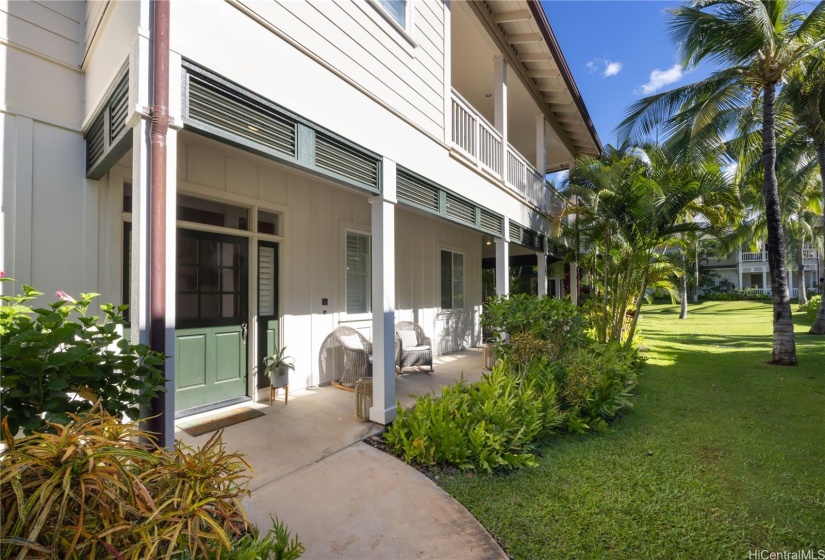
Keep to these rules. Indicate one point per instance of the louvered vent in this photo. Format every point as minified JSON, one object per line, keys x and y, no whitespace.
{"x":95,"y":143}
{"x":118,"y":107}
{"x":490,"y":222}
{"x":515,"y":233}
{"x":338,"y":158}
{"x":413,"y":190}
{"x":460,"y":210}
{"x":531,"y":239}
{"x":214,"y":104}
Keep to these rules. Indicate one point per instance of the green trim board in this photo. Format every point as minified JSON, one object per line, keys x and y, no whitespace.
{"x":107,"y":137}
{"x":420,"y":193}
{"x":218,"y":108}
{"x":526,"y":237}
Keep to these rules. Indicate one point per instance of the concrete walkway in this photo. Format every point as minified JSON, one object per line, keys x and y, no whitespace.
{"x":343,"y":498}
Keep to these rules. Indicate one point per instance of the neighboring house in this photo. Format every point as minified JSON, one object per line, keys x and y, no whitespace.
{"x":326,"y":160}
{"x":747,"y":268}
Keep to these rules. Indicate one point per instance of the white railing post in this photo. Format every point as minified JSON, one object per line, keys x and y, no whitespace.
{"x":500,"y":100}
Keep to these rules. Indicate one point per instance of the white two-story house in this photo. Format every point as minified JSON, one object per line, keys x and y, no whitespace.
{"x":748,"y":268}
{"x":331,"y":162}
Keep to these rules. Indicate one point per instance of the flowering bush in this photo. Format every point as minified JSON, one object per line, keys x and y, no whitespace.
{"x":56,"y":360}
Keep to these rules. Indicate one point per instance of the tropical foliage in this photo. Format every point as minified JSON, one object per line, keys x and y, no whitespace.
{"x":634,"y":210}
{"x":541,"y":385}
{"x":95,"y":487}
{"x":758,"y":45}
{"x":58,"y":360}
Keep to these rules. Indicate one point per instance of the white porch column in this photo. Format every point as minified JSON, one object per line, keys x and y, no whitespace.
{"x":541,"y":145}
{"x":503,"y":261}
{"x":790,"y":282}
{"x":500,"y":101}
{"x":541,"y":265}
{"x":764,"y":279}
{"x":383,"y":409}
{"x":740,"y":277}
{"x":139,"y":270}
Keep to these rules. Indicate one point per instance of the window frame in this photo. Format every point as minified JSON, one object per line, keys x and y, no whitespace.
{"x":368,"y":284}
{"x":453,"y":252}
{"x":401,"y":34}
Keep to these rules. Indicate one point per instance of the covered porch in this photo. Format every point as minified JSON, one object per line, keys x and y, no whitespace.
{"x":320,"y":421}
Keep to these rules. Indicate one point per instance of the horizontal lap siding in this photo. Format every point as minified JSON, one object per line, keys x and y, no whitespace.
{"x":54,"y":34}
{"x":344,"y":36}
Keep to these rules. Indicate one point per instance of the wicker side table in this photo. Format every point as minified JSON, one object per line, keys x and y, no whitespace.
{"x":488,"y":356}
{"x":363,"y":398}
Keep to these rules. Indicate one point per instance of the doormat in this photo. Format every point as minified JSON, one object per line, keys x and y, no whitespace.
{"x":206,"y":425}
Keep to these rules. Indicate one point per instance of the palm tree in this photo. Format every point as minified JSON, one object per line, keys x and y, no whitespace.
{"x":631,"y":205}
{"x":805,"y":95}
{"x":757,"y":43}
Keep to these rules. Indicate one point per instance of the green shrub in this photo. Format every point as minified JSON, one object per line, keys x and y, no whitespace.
{"x":595,"y":384}
{"x":744,"y":294}
{"x":812,"y":307}
{"x":536,"y":326}
{"x":57,"y":361}
{"x":487,"y":425}
{"x":90,"y":489}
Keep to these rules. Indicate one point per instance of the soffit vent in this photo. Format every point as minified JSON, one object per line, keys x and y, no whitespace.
{"x":417,"y":192}
{"x":211,"y":103}
{"x":460,"y":210}
{"x":118,"y":107}
{"x":95,"y":141}
{"x":491,"y":222}
{"x":336,"y":157}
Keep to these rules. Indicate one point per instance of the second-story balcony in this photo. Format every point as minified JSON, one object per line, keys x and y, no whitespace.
{"x":479,"y":141}
{"x":754,"y":256}
{"x":499,"y":116}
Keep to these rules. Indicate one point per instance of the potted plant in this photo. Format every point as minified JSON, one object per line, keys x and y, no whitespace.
{"x":276,"y":368}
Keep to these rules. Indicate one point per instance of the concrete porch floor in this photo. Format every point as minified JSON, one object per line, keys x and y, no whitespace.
{"x":342,"y":497}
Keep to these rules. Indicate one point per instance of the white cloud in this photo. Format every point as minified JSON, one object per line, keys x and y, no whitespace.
{"x":612,"y":69}
{"x":661,"y":78}
{"x":604,"y":67}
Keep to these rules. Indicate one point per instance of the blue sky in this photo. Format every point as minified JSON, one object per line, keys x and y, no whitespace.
{"x":618,"y":52}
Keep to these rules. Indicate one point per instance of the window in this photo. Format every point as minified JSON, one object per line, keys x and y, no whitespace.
{"x":358,"y":272}
{"x":452,"y":280}
{"x":396,"y":9}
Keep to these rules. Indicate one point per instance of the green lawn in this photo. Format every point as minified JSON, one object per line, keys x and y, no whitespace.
{"x":737,"y":463}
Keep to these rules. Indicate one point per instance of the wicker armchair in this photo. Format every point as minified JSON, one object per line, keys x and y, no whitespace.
{"x":415,"y":348}
{"x":357,"y":355}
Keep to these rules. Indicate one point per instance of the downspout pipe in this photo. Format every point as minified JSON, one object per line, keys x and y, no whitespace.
{"x":157,"y":242}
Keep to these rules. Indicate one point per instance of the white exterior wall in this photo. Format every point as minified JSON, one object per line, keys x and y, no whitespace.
{"x":315,"y":217}
{"x":49,"y":209}
{"x":357,"y":92}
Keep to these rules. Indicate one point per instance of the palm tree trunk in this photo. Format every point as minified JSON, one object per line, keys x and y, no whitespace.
{"x":819,"y":323}
{"x":803,"y":297}
{"x":684,"y":290}
{"x":629,"y":342}
{"x":696,"y":272}
{"x":784,"y":344}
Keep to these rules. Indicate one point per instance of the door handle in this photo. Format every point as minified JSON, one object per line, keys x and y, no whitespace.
{"x":244,"y":329}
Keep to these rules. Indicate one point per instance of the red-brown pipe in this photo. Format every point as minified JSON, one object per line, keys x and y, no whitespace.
{"x":157,"y":243}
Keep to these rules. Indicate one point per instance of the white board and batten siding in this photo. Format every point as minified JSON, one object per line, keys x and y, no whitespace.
{"x":49,"y":211}
{"x":315,"y":219}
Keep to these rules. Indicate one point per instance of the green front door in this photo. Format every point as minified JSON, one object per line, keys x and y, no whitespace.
{"x":211,"y":319}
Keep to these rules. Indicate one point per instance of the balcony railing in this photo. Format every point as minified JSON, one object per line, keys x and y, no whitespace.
{"x":554,"y":202}
{"x":808,"y":253}
{"x":475,"y":137}
{"x":750,"y":257}
{"x":524,"y":178}
{"x":481,"y":143}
